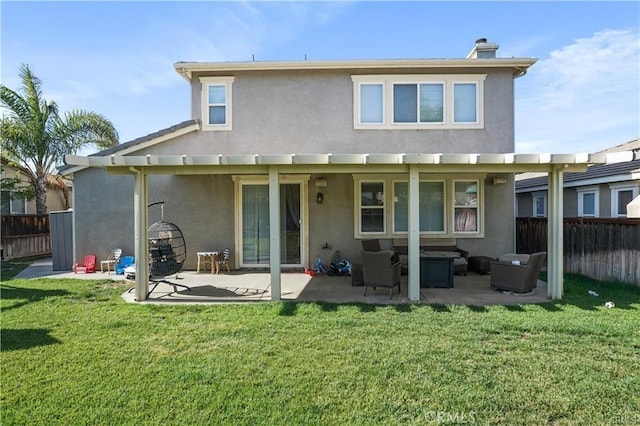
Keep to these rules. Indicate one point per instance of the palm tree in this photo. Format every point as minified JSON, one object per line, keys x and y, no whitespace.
{"x":36,"y":137}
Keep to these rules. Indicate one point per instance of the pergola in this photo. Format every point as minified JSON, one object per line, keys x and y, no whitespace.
{"x":141,"y":166}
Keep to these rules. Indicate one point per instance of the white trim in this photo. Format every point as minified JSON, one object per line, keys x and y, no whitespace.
{"x":448,"y":81}
{"x":479,"y":207}
{"x":544,"y":196}
{"x":303,"y":180}
{"x":595,"y":190}
{"x":628,"y":177}
{"x":615,"y":193}
{"x":519,"y":65}
{"x":227,"y":83}
{"x":388,"y":180}
{"x":504,"y":162}
{"x":13,"y":200}
{"x":445,"y":203}
{"x":359,"y":180}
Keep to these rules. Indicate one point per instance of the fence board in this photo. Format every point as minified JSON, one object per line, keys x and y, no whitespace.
{"x":602,"y":248}
{"x":24,"y":224}
{"x":15,"y":247}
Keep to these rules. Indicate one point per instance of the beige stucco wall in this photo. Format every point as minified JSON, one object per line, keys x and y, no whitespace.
{"x":301,"y":112}
{"x":55,"y":199}
{"x":202,"y":206}
{"x":307,"y":112}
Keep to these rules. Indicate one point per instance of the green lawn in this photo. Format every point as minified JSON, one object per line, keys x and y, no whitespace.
{"x":74,"y":353}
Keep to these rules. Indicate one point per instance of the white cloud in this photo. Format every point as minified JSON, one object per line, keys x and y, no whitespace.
{"x":583,"y":97}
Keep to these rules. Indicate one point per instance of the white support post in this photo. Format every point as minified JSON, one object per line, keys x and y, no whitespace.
{"x":413,"y":243}
{"x":141,"y":249}
{"x":274,"y":232}
{"x":555,"y":239}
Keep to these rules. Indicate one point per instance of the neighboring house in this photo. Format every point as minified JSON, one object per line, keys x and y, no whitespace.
{"x":604,"y":190}
{"x":282,"y":159}
{"x":12,"y":205}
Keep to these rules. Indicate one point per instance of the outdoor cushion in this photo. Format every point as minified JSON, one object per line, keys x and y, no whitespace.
{"x":441,"y":253}
{"x":509,"y":258}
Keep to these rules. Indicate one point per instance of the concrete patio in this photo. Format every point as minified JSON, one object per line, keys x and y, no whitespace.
{"x":249,"y":286}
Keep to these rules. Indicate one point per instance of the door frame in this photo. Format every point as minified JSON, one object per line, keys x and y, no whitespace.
{"x":239,"y":181}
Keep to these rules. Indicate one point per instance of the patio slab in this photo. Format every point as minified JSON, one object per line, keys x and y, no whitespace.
{"x":248,"y":286}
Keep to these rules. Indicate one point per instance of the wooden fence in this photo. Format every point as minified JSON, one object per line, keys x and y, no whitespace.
{"x":603,"y":248}
{"x":25,"y":235}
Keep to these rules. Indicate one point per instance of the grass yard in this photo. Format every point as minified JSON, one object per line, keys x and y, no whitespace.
{"x":74,"y":353}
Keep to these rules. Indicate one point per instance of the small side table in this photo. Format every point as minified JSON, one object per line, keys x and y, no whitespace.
{"x":481,"y":264}
{"x":207,"y":257}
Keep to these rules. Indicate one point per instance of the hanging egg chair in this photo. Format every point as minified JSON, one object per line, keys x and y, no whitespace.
{"x":167,"y":250}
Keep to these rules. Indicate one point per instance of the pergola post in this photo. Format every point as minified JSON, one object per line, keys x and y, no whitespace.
{"x":555,"y":240}
{"x":413,"y":243}
{"x":141,"y":250}
{"x":274,"y":232}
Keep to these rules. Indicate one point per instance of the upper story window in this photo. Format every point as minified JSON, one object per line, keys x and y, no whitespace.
{"x":216,"y":103}
{"x":621,"y":195}
{"x":418,"y":101}
{"x":588,"y":202}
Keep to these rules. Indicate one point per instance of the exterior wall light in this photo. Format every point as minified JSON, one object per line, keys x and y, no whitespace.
{"x":319,"y":198}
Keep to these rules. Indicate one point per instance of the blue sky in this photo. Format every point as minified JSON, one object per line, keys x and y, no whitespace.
{"x":116,"y":58}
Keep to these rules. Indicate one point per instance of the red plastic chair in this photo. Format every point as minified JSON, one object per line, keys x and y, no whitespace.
{"x":88,"y":265}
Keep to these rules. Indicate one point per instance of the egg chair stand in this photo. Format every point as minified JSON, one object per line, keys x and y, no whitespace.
{"x":167,"y":251}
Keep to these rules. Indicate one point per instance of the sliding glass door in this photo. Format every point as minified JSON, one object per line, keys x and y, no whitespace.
{"x":255,"y":227}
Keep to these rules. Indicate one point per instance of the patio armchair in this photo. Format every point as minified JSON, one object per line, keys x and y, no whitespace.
{"x":111,"y":261}
{"x":518,"y":277}
{"x":223,"y":260}
{"x":380,"y":269}
{"x":87,"y":265}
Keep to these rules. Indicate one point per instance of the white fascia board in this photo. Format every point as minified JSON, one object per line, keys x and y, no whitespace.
{"x":186,"y":69}
{"x":523,"y":161}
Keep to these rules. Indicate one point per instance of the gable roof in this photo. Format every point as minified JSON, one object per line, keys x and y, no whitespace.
{"x":597,"y":173}
{"x":139,"y":143}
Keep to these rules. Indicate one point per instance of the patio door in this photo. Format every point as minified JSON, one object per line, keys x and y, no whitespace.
{"x":253,"y":230}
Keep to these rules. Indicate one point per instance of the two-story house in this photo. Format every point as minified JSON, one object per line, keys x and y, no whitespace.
{"x":283,"y":158}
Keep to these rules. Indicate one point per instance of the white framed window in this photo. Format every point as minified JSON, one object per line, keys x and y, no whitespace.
{"x":539,"y":204}
{"x":465,"y":103}
{"x":621,"y":195}
{"x":371,"y":207}
{"x":216,"y":103}
{"x":448,"y":206}
{"x":372,"y":103}
{"x":427,"y":101}
{"x":13,"y":205}
{"x":432,"y":202}
{"x":418,"y":103}
{"x":466,"y":206}
{"x":588,"y":202}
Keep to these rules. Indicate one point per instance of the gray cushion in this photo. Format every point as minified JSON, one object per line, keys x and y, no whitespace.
{"x":509,"y":258}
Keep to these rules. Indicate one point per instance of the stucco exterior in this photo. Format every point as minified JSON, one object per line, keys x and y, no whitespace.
{"x":304,"y":109}
{"x":55,"y":198}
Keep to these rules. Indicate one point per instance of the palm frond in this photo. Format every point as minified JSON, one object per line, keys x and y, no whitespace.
{"x":78,"y":128}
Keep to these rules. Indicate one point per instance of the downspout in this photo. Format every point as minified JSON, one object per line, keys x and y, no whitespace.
{"x":183,"y":72}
